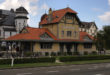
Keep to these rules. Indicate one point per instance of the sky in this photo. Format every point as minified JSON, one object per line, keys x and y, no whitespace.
{"x":97,"y":11}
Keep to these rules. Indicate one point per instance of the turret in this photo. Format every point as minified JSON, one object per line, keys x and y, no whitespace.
{"x":21,"y":18}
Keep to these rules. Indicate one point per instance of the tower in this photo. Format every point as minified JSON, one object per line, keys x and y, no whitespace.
{"x":21,"y":18}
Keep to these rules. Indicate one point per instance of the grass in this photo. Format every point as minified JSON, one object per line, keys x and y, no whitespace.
{"x":53,"y":64}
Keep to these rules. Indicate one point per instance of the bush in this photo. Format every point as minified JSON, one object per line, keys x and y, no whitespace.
{"x":76,"y":53}
{"x":28,"y":54}
{"x":53,"y":53}
{"x":29,"y":60}
{"x":1,"y":54}
{"x":83,"y":58}
{"x":5,"y":61}
{"x":93,"y":53}
{"x":58,"y":53}
{"x":69,"y":53}
{"x":65,"y":53}
{"x":86,"y":53}
{"x":46,"y":53}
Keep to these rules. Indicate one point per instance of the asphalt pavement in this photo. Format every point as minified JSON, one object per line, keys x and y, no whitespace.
{"x":87,"y":69}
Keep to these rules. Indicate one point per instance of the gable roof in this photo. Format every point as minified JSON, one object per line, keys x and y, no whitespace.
{"x":87,"y":25}
{"x":21,"y":10}
{"x":56,"y":16}
{"x":35,"y":33}
{"x":83,"y":34}
{"x":32,"y":34}
{"x":8,"y":19}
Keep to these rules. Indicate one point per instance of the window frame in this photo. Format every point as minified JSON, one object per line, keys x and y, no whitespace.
{"x":69,"y":33}
{"x":88,"y":45}
{"x":46,"y":45}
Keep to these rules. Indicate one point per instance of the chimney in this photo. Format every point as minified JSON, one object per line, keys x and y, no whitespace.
{"x":50,"y":11}
{"x":50,"y":15}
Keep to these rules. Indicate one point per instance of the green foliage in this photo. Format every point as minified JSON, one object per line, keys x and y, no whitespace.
{"x":83,"y":58}
{"x":5,"y":61}
{"x":103,"y":38}
{"x":76,"y":53}
{"x":86,"y":53}
{"x":46,"y":53}
{"x":53,"y":54}
{"x":29,"y":60}
{"x":93,"y":53}
{"x":28,"y":54}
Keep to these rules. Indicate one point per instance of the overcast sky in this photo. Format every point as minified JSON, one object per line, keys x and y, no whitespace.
{"x":88,"y":10}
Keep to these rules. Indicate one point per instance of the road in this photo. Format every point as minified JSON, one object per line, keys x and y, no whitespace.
{"x":88,"y":69}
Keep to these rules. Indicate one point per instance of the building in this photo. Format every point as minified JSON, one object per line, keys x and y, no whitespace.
{"x":12,"y":22}
{"x":59,"y":31}
{"x":89,"y":27}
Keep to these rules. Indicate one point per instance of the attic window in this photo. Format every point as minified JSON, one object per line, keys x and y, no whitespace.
{"x":56,"y":16}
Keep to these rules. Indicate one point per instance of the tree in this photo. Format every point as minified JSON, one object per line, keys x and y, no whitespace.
{"x":103,"y":38}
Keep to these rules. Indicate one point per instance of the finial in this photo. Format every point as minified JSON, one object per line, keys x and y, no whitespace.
{"x":67,"y":5}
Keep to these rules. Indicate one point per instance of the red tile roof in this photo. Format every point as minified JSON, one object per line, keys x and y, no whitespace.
{"x":35,"y":33}
{"x":83,"y":34}
{"x":56,"y":15}
{"x":32,"y":34}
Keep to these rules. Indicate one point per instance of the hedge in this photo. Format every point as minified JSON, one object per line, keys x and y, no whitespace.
{"x":28,"y":60}
{"x":83,"y":58}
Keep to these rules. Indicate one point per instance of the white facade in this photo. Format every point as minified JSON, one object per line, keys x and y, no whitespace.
{"x":92,"y":30}
{"x":20,"y":24}
{"x":14,"y":22}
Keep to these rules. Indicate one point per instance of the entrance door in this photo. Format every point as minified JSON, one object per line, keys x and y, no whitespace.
{"x":27,"y":46}
{"x":61,"y":48}
{"x":75,"y":47}
{"x":68,"y":47}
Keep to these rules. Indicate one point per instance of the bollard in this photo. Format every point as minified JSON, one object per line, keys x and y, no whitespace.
{"x":12,"y":61}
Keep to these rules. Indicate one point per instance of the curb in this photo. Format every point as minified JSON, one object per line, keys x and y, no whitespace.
{"x":50,"y":66}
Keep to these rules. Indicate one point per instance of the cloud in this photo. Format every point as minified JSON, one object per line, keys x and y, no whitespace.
{"x":109,"y":2}
{"x":8,"y":4}
{"x":44,"y":7}
{"x":96,"y":9}
{"x":106,"y":16}
{"x":32,"y":7}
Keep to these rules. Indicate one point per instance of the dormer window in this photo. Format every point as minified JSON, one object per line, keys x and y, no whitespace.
{"x":69,"y":33}
{"x":69,"y":17}
{"x":62,"y":33}
{"x":56,"y":16}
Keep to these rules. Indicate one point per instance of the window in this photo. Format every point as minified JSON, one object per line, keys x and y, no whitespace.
{"x":87,"y":45}
{"x":69,"y":33}
{"x":69,"y":17}
{"x":62,"y":33}
{"x":75,"y":33}
{"x":46,"y":45}
{"x":24,"y":22}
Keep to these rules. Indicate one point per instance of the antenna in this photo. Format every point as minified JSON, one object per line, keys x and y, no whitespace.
{"x":21,"y":2}
{"x":45,"y":11}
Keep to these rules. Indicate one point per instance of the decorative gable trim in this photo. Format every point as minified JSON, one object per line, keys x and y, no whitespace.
{"x":87,"y":38}
{"x":24,"y":31}
{"x":45,"y":36}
